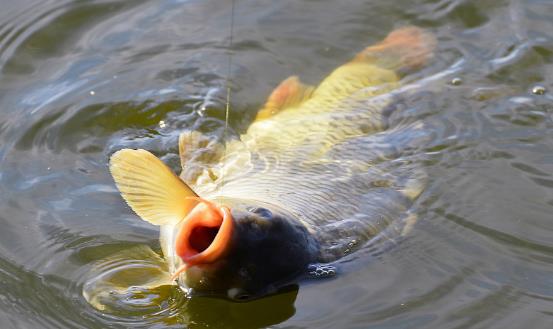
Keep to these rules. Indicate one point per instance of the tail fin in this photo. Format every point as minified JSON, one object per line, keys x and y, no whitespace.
{"x":404,"y":49}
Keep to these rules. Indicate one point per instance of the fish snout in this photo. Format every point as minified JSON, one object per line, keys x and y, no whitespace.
{"x":204,"y":236}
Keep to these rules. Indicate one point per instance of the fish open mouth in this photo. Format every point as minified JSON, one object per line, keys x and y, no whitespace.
{"x":201,"y":237}
{"x":204,"y":236}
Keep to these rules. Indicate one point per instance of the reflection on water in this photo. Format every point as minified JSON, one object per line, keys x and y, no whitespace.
{"x":213,"y":313}
{"x":79,"y":80}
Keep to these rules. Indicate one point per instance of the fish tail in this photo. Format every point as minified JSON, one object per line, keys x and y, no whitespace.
{"x":404,"y":49}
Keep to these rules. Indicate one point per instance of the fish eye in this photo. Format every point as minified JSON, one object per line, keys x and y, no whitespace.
{"x":262,"y":212}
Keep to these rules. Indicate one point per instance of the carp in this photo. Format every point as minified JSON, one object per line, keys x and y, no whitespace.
{"x":310,"y":181}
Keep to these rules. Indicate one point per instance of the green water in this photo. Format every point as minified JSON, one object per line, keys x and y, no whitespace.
{"x":82,"y":79}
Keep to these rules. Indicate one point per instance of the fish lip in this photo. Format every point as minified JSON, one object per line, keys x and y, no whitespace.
{"x":217,"y":216}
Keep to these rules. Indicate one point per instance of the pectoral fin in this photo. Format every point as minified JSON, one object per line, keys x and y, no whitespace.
{"x":150,"y":188}
{"x":290,"y":93}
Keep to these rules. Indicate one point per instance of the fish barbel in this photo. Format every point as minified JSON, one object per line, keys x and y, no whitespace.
{"x":310,"y":180}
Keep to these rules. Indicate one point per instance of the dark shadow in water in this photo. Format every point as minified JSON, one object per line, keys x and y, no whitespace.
{"x":206,"y":312}
{"x":131,"y":286}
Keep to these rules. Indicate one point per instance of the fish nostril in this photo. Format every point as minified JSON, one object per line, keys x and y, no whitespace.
{"x":263,"y":212}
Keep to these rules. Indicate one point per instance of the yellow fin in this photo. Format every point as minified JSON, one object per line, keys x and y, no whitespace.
{"x":289,"y":93}
{"x":149,"y":187}
{"x":406,"y":48}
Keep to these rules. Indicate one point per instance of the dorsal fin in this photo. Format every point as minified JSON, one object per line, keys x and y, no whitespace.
{"x":150,"y":188}
{"x":289,"y":93}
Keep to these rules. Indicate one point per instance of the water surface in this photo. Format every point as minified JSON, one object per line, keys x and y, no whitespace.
{"x":81,"y":79}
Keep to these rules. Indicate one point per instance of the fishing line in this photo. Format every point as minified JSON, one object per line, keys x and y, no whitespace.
{"x":228,"y":87}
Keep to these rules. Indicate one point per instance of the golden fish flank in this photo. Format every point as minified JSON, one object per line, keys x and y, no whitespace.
{"x":307,"y":183}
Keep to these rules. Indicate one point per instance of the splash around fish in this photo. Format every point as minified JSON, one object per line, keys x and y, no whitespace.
{"x":300,"y":185}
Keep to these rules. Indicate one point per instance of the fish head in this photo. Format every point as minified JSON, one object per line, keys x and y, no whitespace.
{"x":243,"y":250}
{"x":239,"y":248}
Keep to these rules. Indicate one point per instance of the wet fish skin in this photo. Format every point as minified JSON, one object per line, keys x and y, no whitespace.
{"x":322,"y":161}
{"x":269,"y":249}
{"x":325,"y":158}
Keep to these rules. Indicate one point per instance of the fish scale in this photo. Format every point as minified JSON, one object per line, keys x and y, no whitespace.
{"x":332,"y":160}
{"x":319,"y":173}
{"x":333,"y":188}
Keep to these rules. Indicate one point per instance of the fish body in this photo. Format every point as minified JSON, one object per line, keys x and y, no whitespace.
{"x":309,"y":181}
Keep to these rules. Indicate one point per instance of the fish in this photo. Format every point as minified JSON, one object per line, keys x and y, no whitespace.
{"x":315,"y":177}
